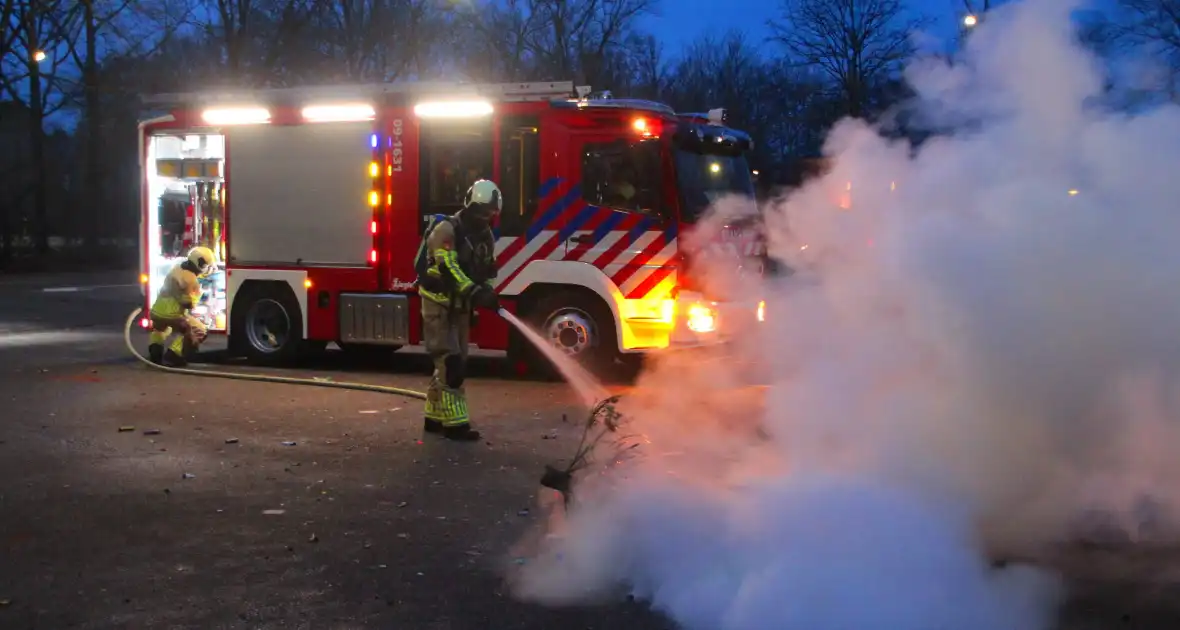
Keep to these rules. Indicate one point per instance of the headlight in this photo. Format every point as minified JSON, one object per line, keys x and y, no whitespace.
{"x":701,"y":318}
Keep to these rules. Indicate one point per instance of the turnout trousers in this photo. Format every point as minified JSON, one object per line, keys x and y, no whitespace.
{"x":167,"y":318}
{"x":446,"y":334}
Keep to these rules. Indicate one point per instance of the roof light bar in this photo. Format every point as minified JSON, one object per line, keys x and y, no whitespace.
{"x":236,"y":116}
{"x":339,"y":113}
{"x":453,"y":109}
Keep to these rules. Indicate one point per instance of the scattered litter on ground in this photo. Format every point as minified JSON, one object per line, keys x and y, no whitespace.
{"x":523,"y":513}
{"x":231,"y":440}
{"x":5,"y":602}
{"x":289,"y":443}
{"x":367,"y":411}
{"x":313,"y":539}
{"x":126,"y":429}
{"x":151,"y":431}
{"x":188,"y":476}
{"x":402,"y":504}
{"x":274,"y":512}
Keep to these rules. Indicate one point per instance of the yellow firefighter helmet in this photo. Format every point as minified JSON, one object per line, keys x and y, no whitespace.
{"x":202,"y":258}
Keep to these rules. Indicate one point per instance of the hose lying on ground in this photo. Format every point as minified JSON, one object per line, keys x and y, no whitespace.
{"x":381,"y":389}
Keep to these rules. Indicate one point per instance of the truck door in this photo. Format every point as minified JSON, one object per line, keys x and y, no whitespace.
{"x":626,"y":177}
{"x":520,"y":173}
{"x":453,"y":153}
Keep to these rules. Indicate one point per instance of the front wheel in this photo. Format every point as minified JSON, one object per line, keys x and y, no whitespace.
{"x":579,"y":327}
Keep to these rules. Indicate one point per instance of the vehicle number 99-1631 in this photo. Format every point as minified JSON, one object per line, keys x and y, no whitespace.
{"x":396,"y":144}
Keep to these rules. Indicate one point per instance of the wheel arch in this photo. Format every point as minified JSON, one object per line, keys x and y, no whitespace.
{"x":541,"y":278}
{"x":245,"y":281}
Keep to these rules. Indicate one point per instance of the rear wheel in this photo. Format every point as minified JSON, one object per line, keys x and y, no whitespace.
{"x":268,"y":326}
{"x":578,"y":326}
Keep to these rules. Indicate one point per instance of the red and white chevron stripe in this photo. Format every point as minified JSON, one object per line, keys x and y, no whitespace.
{"x":640,"y":269}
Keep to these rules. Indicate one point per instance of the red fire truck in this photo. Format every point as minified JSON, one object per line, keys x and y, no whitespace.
{"x":315,"y":200}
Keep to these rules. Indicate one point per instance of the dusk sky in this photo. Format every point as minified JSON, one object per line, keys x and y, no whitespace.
{"x":692,"y":18}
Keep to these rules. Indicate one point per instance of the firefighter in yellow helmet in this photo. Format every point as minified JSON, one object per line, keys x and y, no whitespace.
{"x":456,"y":267}
{"x":171,"y":312}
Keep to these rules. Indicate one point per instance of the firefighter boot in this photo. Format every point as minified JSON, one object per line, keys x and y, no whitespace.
{"x":461,"y":433}
{"x":432,"y":426}
{"x":173,"y":359}
{"x":156,"y":353}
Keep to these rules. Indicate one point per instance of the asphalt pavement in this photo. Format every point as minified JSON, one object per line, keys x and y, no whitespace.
{"x":131,"y":498}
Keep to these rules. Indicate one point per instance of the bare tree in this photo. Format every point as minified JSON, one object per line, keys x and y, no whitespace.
{"x":1152,"y":26}
{"x":501,"y":40}
{"x":775,"y":105}
{"x":373,"y":40}
{"x":254,"y":34}
{"x":125,"y":28}
{"x":855,"y":43}
{"x":583,"y":40}
{"x":30,"y":56}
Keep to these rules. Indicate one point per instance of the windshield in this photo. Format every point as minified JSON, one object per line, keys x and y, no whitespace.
{"x":705,"y":178}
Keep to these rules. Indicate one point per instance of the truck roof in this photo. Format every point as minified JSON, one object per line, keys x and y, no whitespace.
{"x":559,"y":94}
{"x":375,"y":92}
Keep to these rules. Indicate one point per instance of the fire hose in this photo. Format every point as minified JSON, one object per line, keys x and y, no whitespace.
{"x":263,"y":378}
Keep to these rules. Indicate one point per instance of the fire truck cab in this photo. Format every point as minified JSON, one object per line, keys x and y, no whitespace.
{"x":316,"y":199}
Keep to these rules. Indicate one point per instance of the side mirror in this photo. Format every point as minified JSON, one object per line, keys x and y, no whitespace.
{"x":686,"y":138}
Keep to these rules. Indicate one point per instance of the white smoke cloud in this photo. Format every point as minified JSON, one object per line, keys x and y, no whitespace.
{"x":969,"y":360}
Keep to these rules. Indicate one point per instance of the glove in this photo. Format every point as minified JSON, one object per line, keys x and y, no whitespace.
{"x":485,"y":297}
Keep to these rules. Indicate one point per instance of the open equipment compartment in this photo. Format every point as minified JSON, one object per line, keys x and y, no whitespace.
{"x":186,"y":196}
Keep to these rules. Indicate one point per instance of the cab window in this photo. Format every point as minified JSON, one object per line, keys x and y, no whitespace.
{"x":623,"y":175}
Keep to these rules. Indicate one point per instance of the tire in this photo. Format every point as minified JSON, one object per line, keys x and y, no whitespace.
{"x":579,"y":325}
{"x":268,"y":326}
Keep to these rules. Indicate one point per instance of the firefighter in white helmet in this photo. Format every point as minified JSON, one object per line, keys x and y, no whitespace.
{"x":456,"y":266}
{"x":172,"y":310}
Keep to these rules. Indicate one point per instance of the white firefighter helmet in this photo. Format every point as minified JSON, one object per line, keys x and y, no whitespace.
{"x":484,"y":199}
{"x":202,"y":258}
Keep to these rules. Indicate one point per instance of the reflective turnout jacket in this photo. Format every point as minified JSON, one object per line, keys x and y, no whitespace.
{"x":456,"y":262}
{"x":181,"y":291}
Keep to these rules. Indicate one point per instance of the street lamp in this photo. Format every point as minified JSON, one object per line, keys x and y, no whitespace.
{"x":39,"y":56}
{"x":970,"y":20}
